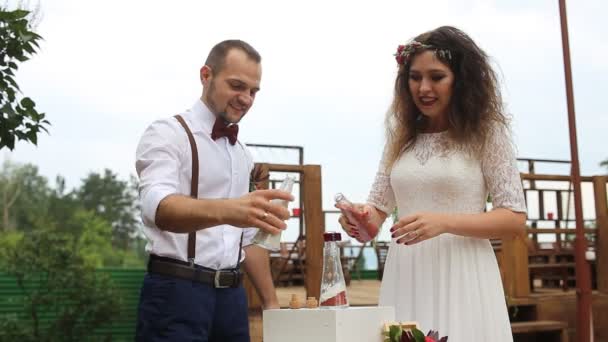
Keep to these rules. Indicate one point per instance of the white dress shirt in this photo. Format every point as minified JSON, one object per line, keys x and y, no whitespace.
{"x":164,"y":166}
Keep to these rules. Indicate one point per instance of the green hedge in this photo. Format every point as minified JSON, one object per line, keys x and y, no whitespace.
{"x":128,"y":281}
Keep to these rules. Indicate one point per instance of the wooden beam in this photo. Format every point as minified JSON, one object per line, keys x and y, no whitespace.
{"x":601,"y":244}
{"x":532,"y":177}
{"x":286,"y":168}
{"x":315,"y":227}
{"x":515,"y":266}
{"x":559,"y":230}
{"x":541,"y":205}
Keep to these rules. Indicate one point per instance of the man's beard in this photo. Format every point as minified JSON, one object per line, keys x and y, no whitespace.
{"x":214,"y":107}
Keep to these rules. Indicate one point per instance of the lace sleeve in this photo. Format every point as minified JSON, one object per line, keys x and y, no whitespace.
{"x":500,"y":171}
{"x":381,"y":194}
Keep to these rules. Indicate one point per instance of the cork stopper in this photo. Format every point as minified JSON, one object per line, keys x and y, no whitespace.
{"x":311,"y":303}
{"x":295,"y":302}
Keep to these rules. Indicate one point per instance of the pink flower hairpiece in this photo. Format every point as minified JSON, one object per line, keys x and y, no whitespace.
{"x":405,"y":52}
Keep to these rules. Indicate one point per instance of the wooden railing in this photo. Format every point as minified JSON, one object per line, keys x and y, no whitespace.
{"x":524,"y":256}
{"x":514,"y":255}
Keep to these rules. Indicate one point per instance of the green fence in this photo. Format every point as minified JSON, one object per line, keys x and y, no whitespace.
{"x":128,"y":281}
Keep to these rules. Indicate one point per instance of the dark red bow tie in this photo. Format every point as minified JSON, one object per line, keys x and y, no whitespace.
{"x":222,"y":129}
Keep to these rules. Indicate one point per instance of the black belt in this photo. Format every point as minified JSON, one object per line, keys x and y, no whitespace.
{"x":183,"y":270}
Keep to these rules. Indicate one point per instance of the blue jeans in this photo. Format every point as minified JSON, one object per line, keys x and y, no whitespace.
{"x":173,"y":309}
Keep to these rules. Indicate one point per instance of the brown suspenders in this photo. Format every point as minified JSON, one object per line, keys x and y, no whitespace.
{"x":193,"y":184}
{"x":194,"y":192}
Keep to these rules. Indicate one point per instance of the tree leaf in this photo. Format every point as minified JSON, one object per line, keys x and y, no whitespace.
{"x":9,"y":141}
{"x":26,"y":36}
{"x":21,"y":135}
{"x":8,"y":109}
{"x":12,"y":82}
{"x":418,"y":335}
{"x":22,"y":58}
{"x":19,"y":14}
{"x":33,"y":138}
{"x":27,"y":103}
{"x":11,"y":94}
{"x":395,"y":332}
{"x":28,"y":47}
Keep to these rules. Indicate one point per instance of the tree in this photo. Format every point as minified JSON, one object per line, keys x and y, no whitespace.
{"x":24,"y":195}
{"x":10,"y":186}
{"x":604,"y":163}
{"x":115,"y":200}
{"x":102,"y":212}
{"x":56,"y":279}
{"x":19,"y":119}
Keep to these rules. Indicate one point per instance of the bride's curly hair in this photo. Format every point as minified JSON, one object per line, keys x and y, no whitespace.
{"x":476,"y":107}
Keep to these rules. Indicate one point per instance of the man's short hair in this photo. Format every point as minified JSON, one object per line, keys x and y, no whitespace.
{"x":217,"y":55}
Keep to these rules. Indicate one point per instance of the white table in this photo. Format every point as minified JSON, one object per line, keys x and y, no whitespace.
{"x":327,"y":325}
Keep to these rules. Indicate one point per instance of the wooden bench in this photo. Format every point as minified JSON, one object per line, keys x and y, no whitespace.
{"x":545,"y":331}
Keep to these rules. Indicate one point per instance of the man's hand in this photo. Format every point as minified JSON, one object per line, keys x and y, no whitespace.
{"x":256,"y":210}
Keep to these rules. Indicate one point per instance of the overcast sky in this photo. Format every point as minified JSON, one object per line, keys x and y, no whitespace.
{"x":106,"y":69}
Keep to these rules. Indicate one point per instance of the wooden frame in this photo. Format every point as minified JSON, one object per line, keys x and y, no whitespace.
{"x":314,"y":221}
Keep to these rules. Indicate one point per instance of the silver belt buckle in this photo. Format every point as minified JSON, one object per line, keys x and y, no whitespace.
{"x":216,"y":281}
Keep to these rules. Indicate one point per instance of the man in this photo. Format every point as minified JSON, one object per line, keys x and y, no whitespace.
{"x":193,"y":291}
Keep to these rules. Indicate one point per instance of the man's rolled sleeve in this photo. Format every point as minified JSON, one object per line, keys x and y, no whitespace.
{"x":157,"y":164}
{"x":248,"y":234}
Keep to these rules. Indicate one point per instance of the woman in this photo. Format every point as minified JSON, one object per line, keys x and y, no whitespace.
{"x":447,"y":148}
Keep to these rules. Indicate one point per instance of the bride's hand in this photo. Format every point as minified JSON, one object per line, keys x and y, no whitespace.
{"x":418,"y":227}
{"x":359,"y":211}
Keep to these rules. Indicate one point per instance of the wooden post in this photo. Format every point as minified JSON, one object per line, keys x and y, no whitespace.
{"x":601,"y":221}
{"x":515,"y":266}
{"x":531,"y":171}
{"x":584,"y":322}
{"x":315,"y":227}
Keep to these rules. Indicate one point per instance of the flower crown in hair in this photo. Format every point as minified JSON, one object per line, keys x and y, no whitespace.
{"x":405,"y":52}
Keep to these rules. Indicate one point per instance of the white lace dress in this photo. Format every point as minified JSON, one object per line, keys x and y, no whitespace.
{"x":449,"y":283}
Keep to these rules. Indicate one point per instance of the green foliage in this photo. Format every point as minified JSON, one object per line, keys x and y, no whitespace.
{"x":8,"y":242}
{"x":418,"y":335}
{"x":13,"y":329}
{"x":396,"y":333}
{"x":101,"y":214}
{"x":52,"y":273}
{"x":115,"y":201}
{"x":604,"y":164}
{"x":395,"y":215}
{"x":24,"y":196}
{"x":19,"y":119}
{"x":94,"y":235}
{"x":52,"y":241}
